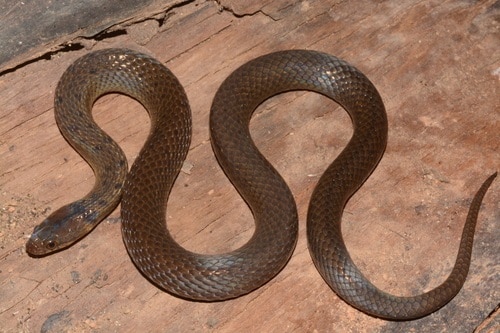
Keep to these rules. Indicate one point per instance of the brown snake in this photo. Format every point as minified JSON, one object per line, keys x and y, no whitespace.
{"x":147,"y":186}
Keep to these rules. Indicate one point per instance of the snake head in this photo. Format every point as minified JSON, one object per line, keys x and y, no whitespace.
{"x":60,"y":230}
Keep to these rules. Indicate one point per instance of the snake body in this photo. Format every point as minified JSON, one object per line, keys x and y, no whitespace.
{"x":145,"y":189}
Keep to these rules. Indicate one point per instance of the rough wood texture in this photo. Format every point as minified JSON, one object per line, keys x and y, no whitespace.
{"x":437,"y":66}
{"x":37,"y":28}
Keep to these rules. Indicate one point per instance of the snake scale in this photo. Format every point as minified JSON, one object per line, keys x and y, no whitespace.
{"x":144,"y":190}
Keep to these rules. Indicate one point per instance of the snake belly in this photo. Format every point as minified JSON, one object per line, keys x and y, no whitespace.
{"x":144,"y":190}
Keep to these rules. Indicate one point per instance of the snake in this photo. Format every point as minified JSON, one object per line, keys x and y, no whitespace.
{"x":144,"y":190}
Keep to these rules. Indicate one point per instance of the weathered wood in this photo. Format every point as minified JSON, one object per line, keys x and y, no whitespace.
{"x":436,"y":66}
{"x":39,"y":28}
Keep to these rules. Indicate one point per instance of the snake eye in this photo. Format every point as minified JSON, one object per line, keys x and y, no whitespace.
{"x":51,"y":245}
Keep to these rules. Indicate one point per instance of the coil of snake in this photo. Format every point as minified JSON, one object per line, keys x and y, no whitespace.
{"x":144,"y":190}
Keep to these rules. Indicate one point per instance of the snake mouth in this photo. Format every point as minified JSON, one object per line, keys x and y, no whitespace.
{"x":43,"y":241}
{"x":38,"y":247}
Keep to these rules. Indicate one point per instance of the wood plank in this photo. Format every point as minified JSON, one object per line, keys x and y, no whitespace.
{"x":34,"y":30}
{"x":435,"y":64}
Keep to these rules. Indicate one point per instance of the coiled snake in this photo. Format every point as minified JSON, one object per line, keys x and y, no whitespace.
{"x":144,"y":190}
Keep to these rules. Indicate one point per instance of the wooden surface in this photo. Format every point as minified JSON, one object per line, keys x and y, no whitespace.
{"x":35,"y":30}
{"x":437,"y":67}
